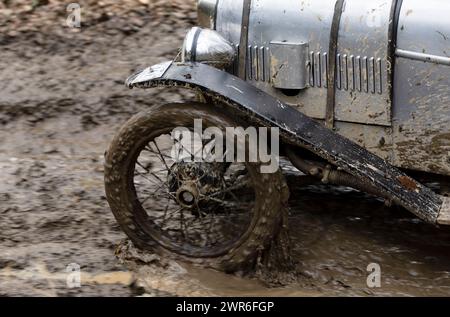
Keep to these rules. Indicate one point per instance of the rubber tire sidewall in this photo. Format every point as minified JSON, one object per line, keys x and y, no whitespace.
{"x":122,"y":151}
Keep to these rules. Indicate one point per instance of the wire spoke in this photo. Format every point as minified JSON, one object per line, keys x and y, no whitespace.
{"x":158,"y":178}
{"x":148,"y":149}
{"x":161,"y":156}
{"x":220,"y":201}
{"x":230,"y":222}
{"x":223,"y":204}
{"x":145,"y":168}
{"x":151,"y":195}
{"x":146,"y":178}
{"x":229,"y":189}
{"x":165,"y":163}
{"x":184,"y":232}
{"x":162,"y":217}
{"x":171,"y":214}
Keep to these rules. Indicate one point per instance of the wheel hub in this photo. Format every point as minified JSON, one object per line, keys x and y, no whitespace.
{"x":187,"y":195}
{"x":191,"y":182}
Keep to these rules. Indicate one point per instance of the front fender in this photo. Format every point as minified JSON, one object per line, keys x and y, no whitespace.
{"x":296,"y":128}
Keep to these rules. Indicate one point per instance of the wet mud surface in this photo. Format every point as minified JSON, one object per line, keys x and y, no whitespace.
{"x":61,"y":101}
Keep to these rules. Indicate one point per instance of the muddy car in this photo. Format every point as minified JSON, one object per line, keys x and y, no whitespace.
{"x":357,"y":91}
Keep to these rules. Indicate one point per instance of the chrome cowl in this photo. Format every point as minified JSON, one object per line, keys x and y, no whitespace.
{"x":208,"y":47}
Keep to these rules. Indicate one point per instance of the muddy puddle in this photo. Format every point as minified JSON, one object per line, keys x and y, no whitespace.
{"x":54,"y":213}
{"x":337,"y":236}
{"x":61,"y":100}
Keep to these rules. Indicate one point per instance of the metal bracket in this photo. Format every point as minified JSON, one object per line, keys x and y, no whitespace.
{"x":244,"y":39}
{"x":332,"y":53}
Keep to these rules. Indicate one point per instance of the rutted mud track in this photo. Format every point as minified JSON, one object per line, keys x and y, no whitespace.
{"x":61,"y":100}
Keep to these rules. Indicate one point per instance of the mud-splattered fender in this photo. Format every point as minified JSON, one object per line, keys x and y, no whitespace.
{"x":295,"y":128}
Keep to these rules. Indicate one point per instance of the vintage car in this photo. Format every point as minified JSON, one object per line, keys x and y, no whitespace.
{"x":359,"y":92}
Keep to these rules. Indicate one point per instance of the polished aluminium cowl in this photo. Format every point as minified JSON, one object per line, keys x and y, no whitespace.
{"x":208,"y":47}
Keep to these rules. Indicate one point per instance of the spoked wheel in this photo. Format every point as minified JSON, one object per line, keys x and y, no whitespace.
{"x":220,"y":214}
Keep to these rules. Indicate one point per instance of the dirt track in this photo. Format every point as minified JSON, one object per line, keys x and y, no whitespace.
{"x":61,"y":100}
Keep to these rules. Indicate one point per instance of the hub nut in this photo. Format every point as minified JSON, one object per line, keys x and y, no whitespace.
{"x":188,"y":194}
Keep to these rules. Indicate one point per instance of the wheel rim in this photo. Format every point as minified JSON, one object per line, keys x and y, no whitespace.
{"x":193,"y":209}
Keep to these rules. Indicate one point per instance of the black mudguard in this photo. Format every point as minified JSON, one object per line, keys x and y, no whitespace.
{"x":298,"y":129}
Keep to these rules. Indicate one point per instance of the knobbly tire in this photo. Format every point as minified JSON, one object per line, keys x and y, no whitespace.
{"x":247,"y":219}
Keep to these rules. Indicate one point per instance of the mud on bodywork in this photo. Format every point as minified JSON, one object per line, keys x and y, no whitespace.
{"x":300,"y":130}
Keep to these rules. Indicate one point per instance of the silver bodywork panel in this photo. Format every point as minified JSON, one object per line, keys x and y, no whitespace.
{"x":361,"y":61}
{"x":410,"y":131}
{"x":207,"y":13}
{"x":421,"y":89}
{"x":363,"y":94}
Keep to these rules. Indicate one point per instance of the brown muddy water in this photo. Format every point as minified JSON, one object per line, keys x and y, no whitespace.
{"x":61,"y":101}
{"x":53,"y":213}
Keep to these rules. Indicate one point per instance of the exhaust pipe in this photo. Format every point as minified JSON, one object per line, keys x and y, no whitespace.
{"x":335,"y":177}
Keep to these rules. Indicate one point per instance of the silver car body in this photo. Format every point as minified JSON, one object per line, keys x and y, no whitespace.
{"x":393,"y":100}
